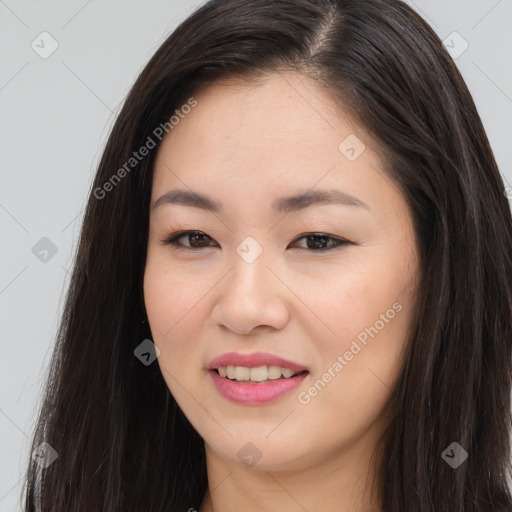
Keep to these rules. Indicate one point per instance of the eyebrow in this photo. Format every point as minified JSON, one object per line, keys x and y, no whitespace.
{"x":287,"y":204}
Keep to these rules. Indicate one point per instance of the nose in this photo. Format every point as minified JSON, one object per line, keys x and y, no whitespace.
{"x":251,"y":298}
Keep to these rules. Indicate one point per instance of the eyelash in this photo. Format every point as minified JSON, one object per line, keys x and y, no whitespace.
{"x":172,"y":240}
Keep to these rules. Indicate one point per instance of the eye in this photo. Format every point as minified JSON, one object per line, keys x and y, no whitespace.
{"x":195,"y":237}
{"x":316,"y":242}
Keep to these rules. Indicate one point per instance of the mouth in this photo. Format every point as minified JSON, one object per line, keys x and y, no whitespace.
{"x":257,"y":375}
{"x":257,"y":385}
{"x":254,"y":379}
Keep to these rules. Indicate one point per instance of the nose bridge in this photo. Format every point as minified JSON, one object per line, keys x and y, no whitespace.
{"x":251,"y":295}
{"x":250,"y":265}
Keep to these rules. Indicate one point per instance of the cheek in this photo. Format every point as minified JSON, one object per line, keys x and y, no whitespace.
{"x":174,"y":307}
{"x":349,"y":301}
{"x":354,"y":381}
{"x":174,"y":310}
{"x":172,"y":298}
{"x":365,"y":315}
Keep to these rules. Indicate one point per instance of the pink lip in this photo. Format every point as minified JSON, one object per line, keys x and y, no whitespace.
{"x":254,"y":393}
{"x":253,"y":360}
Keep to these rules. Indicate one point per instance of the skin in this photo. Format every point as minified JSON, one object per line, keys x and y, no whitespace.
{"x":244,"y":146}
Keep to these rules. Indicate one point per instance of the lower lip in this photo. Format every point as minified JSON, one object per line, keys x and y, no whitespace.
{"x":250,"y":393}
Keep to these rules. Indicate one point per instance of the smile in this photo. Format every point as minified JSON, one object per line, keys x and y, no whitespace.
{"x":254,"y":392}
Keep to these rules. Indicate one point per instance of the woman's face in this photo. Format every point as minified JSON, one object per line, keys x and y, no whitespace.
{"x":252,"y":281}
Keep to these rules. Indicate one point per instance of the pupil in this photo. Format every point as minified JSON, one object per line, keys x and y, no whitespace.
{"x":192,"y":237}
{"x":317,"y":240}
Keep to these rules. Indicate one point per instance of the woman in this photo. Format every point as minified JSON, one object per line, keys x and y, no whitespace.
{"x":293,"y":286}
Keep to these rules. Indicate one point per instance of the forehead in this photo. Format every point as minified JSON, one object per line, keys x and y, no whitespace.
{"x":279,"y":108}
{"x":284,"y":126}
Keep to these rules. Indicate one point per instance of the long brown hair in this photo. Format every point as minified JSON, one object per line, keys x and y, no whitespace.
{"x":122,"y":442}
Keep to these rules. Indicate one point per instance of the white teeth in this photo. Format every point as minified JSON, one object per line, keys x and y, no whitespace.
{"x":259,"y":374}
{"x":274,"y":372}
{"x":242,"y":373}
{"x":287,"y":372}
{"x":256,"y":374}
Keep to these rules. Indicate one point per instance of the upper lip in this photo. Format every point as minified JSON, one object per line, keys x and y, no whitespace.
{"x":253,"y":360}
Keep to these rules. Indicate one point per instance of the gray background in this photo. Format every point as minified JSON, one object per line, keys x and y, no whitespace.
{"x":56,"y":113}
